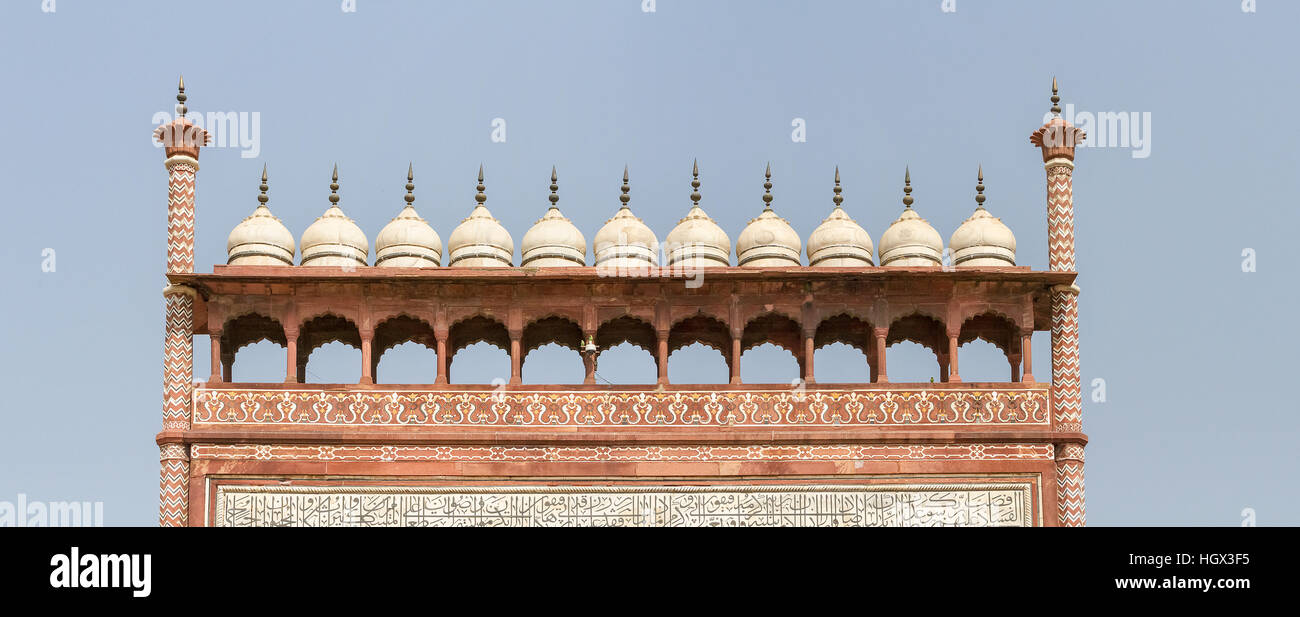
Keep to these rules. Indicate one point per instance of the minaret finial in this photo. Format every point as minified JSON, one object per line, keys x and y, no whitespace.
{"x":979,"y":190}
{"x":262,"y":199}
{"x":838,"y":199}
{"x":555,"y":196}
{"x":907,"y":187}
{"x":180,"y":98}
{"x":410,"y":184}
{"x":480,"y":197}
{"x":695,"y":183}
{"x":767,"y":187}
{"x":626,"y":189}
{"x":334,"y":185}
{"x":1056,"y":99}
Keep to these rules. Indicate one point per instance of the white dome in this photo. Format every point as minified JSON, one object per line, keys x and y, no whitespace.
{"x":334,"y":240}
{"x":840,"y":242}
{"x":625,"y":243}
{"x":260,"y":240}
{"x":768,"y":241}
{"x":480,"y":241}
{"x":911,"y":241}
{"x":553,"y":242}
{"x":698,"y":242}
{"x":408,"y":242}
{"x":982,"y":240}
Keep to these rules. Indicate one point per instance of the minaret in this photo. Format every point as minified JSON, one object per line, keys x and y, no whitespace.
{"x":181,"y":140}
{"x":1057,"y":139}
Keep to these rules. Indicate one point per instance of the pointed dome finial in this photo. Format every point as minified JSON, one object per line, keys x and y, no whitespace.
{"x":695,"y":183}
{"x":907,"y":186}
{"x":979,"y":189}
{"x":410,"y":184}
{"x":262,"y":199}
{"x":838,"y":199}
{"x":480,"y":197}
{"x":555,"y":187}
{"x":767,"y":188}
{"x":180,"y":98}
{"x":1056,"y":99}
{"x":334,"y":185}
{"x":626,"y":189}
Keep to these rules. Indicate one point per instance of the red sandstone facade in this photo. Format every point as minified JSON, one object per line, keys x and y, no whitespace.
{"x":230,"y":450}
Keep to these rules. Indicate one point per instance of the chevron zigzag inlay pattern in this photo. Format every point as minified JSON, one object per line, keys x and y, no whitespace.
{"x":180,"y":218}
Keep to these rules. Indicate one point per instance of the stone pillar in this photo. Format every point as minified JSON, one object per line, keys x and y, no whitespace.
{"x":662,"y":356}
{"x":588,"y":358}
{"x":881,"y":335}
{"x":516,"y":358}
{"x":735,"y":360}
{"x":291,"y":374}
{"x":954,"y":376}
{"x":1027,"y":355}
{"x":1014,"y":360}
{"x":443,"y":361}
{"x":367,"y":357}
{"x":214,"y":340}
{"x":228,"y":365}
{"x":174,"y":485}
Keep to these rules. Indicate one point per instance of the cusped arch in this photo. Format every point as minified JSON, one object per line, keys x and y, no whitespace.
{"x":772,"y":327}
{"x":627,"y":329}
{"x":700,"y":328}
{"x":846,"y":328}
{"x":327,"y":328}
{"x":993,"y":327}
{"x":553,"y":328}
{"x":920,"y":328}
{"x":248,"y":328}
{"x":478,"y":328}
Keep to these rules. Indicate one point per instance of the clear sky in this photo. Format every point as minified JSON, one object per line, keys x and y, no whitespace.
{"x":1197,"y":422}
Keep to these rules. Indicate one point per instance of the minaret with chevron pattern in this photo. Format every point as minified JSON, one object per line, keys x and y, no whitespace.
{"x":181,"y":140}
{"x":1058,"y":139}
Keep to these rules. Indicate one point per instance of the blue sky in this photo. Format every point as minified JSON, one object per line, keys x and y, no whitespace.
{"x":1197,"y":423}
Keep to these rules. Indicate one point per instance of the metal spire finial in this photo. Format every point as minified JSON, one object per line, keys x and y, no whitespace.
{"x":410,"y":184}
{"x":1056,"y":99}
{"x":555,"y":196}
{"x":907,"y":187}
{"x":480,"y":197}
{"x":695,"y":183}
{"x":334,"y":186}
{"x":979,"y":190}
{"x":262,"y":199}
{"x":838,"y":199}
{"x":626,"y":189}
{"x":767,"y":187}
{"x":180,"y":98}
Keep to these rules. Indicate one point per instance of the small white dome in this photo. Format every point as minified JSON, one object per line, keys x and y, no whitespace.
{"x":625,"y":244}
{"x":408,"y":242}
{"x":698,"y":242}
{"x":982,"y":240}
{"x":553,"y":242}
{"x":768,"y":241}
{"x":911,"y":241}
{"x":840,"y":242}
{"x":260,"y":240}
{"x":334,"y":240}
{"x":480,"y":241}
